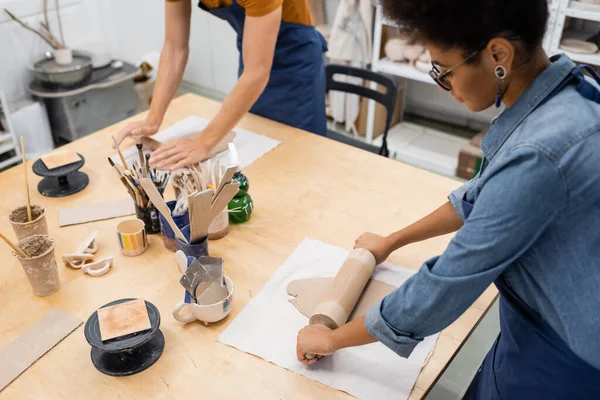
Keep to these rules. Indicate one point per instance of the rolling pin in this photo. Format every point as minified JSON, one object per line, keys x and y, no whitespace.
{"x":344,"y":292}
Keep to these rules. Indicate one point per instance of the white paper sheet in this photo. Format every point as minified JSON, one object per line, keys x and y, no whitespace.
{"x":250,"y":146}
{"x":267,"y":327}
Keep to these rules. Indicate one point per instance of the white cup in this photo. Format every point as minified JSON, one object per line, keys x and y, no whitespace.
{"x":207,"y":314}
{"x":63,"y":56}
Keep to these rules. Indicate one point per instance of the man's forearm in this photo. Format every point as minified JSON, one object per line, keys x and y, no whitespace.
{"x":244,"y":94}
{"x":170,"y":74}
{"x":440,"y":222}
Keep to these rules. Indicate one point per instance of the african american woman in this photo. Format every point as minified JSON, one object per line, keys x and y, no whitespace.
{"x":529,"y":222}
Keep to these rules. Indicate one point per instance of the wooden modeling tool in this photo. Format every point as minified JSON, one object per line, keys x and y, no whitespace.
{"x":14,"y":247}
{"x":161,"y":206}
{"x":344,"y":291}
{"x":29,"y":217}
{"x":200,"y":212}
{"x":120,"y":154}
{"x":223,"y":198}
{"x":227,"y":176}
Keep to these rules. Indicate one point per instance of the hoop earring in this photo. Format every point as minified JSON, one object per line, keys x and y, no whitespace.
{"x":500,"y":73}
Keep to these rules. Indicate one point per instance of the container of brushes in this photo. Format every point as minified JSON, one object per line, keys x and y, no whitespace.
{"x":197,"y":249}
{"x":168,"y":236}
{"x":24,"y":228}
{"x":150,"y":216}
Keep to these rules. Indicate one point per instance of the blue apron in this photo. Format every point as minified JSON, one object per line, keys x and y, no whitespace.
{"x":295,"y":94}
{"x":529,"y":360}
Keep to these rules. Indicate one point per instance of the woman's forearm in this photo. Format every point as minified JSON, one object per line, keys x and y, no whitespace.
{"x":442,"y":221}
{"x":244,"y":94}
{"x":170,"y":74}
{"x":352,"y":334}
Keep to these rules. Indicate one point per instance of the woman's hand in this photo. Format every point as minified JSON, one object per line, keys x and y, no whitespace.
{"x":138,"y":129}
{"x":379,"y":246}
{"x":314,"y":340}
{"x":178,"y":154}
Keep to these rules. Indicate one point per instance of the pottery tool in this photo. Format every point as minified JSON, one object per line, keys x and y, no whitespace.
{"x":144,"y":171}
{"x":14,"y":247}
{"x":197,"y":279}
{"x":161,"y":206}
{"x":30,"y":346}
{"x":129,"y":354}
{"x":60,"y":159}
{"x":199,"y":206}
{"x":345,"y":290}
{"x":227,"y":193}
{"x":123,"y":319}
{"x":96,"y":212}
{"x":26,"y":179}
{"x":227,"y":176}
{"x":120,"y":154}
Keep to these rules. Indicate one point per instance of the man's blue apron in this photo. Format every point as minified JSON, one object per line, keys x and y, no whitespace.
{"x":529,"y":361}
{"x":295,"y":94}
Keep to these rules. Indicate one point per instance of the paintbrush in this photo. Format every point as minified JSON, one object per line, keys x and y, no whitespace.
{"x":142,"y":159}
{"x":29,"y":216}
{"x":147,"y":164}
{"x":123,"y":179}
{"x":14,"y":247}
{"x":120,"y":154}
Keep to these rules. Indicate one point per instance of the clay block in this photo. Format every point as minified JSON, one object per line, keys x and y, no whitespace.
{"x":123,"y":319}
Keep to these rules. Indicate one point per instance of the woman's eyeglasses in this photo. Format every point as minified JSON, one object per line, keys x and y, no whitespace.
{"x":441,"y":78}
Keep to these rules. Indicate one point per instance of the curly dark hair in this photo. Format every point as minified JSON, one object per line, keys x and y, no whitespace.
{"x":470,"y":24}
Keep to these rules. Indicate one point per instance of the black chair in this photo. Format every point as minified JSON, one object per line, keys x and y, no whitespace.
{"x":387,"y":99}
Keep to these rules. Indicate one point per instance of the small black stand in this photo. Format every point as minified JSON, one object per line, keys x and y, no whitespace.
{"x":129,"y":354}
{"x":61,"y":181}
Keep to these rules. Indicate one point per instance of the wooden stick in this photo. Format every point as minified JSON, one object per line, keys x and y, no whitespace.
{"x":46,"y":12}
{"x":120,"y":154}
{"x":29,"y":217}
{"x":51,"y":35}
{"x":14,"y":247}
{"x":24,"y":25}
{"x":60,"y":28}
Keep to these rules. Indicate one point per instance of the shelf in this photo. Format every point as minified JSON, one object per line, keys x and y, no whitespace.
{"x":592,"y":59}
{"x":9,"y":162}
{"x":6,"y":148}
{"x":425,"y":148}
{"x":590,"y":12}
{"x":402,"y":70}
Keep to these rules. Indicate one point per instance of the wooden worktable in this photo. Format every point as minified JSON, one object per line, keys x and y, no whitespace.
{"x":307,"y":187}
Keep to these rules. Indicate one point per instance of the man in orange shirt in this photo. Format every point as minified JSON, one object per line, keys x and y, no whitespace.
{"x":281,"y":73}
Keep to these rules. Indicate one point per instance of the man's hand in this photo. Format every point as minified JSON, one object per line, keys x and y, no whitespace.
{"x":315,"y":340}
{"x":137,"y":129}
{"x":379,"y":246}
{"x":178,"y":154}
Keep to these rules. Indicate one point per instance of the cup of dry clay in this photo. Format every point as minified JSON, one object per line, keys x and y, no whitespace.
{"x":40,"y":267}
{"x":23,"y":228}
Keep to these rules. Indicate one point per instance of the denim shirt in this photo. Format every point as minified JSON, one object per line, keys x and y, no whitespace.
{"x":531,"y":217}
